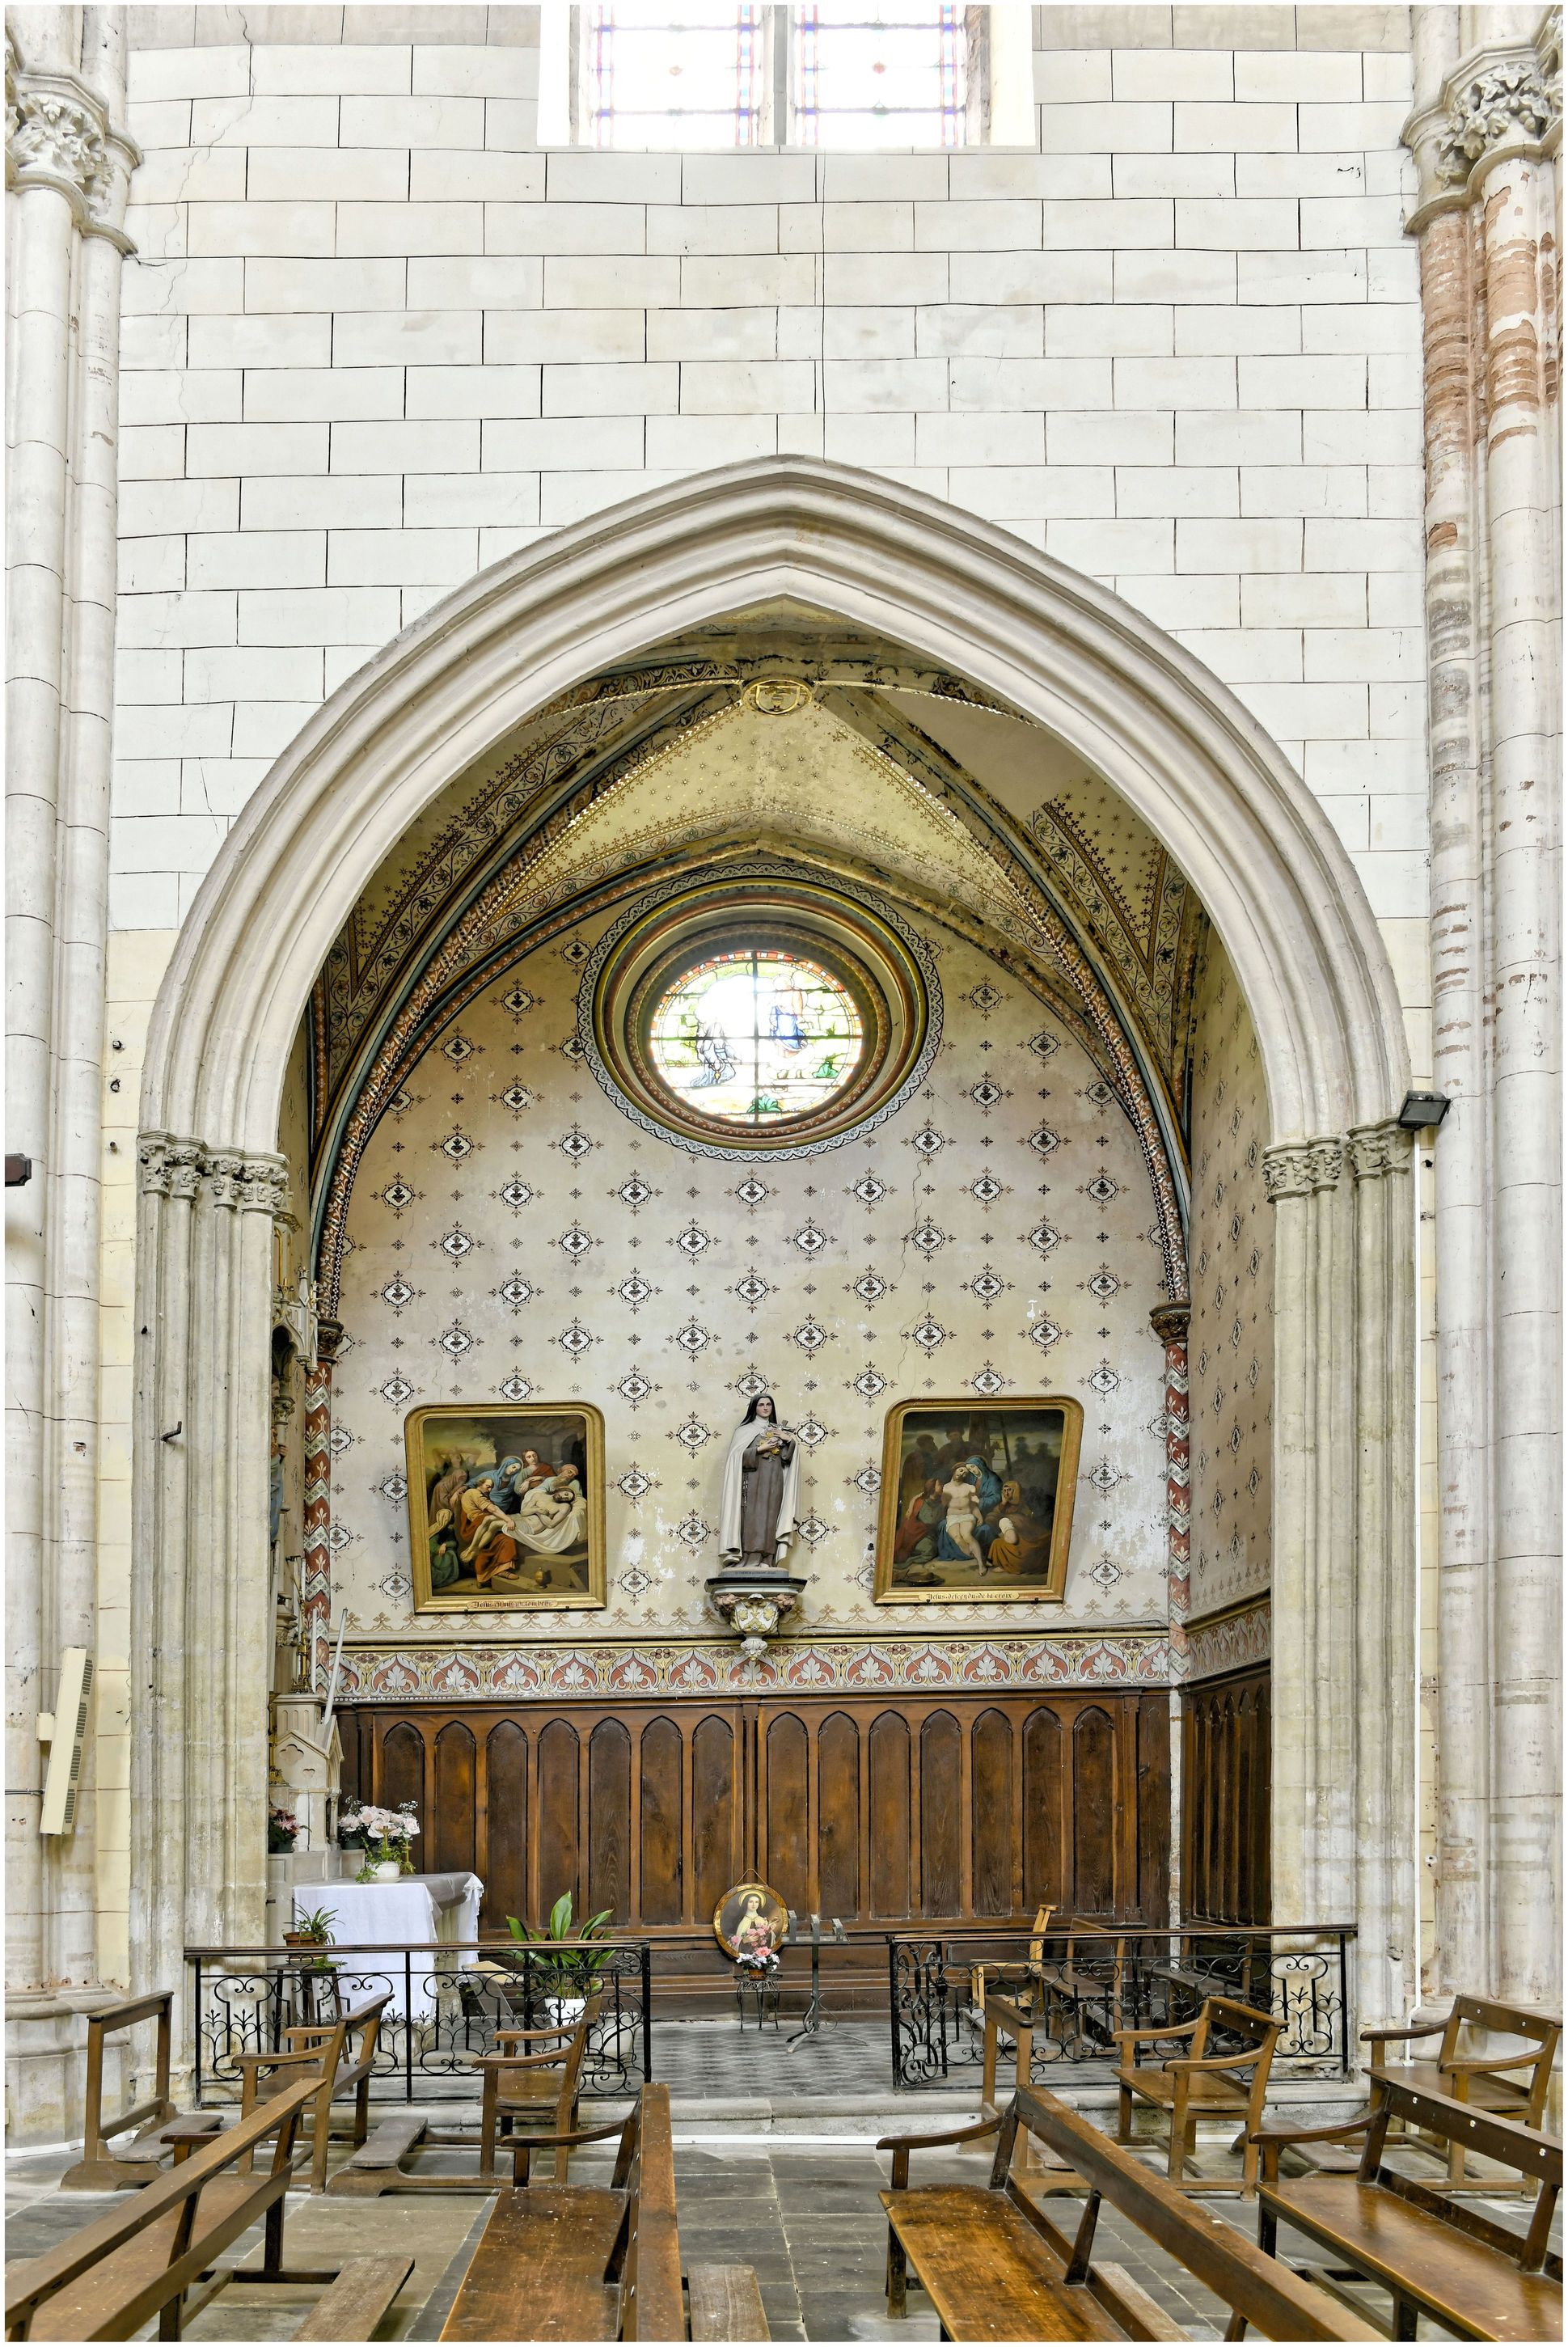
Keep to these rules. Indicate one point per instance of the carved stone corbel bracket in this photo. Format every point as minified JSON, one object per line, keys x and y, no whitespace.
{"x":1502,"y":100}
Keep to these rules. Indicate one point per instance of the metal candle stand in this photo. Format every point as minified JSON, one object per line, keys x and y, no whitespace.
{"x":810,"y":2023}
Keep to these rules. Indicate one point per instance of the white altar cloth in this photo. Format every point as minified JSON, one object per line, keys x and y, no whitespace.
{"x":418,"y":1910}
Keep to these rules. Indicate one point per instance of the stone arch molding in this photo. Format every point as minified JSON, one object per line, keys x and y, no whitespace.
{"x":1056,"y":648}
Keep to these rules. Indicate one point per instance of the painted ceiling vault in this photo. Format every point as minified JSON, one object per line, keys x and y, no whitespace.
{"x":723,"y":743}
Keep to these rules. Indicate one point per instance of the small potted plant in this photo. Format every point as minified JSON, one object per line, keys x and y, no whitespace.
{"x":313,"y":1930}
{"x":283,"y":1830}
{"x":569,"y":1978}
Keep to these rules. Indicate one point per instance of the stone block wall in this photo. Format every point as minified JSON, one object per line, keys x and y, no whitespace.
{"x":376,"y":339}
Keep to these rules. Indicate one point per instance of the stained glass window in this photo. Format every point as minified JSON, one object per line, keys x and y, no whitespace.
{"x":752,"y":1038}
{"x":864,"y":78}
{"x":656,"y":79}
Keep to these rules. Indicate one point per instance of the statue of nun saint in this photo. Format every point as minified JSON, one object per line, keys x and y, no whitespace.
{"x":762,"y":1484}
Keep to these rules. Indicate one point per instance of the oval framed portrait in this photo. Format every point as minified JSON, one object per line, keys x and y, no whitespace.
{"x":750,"y":1916}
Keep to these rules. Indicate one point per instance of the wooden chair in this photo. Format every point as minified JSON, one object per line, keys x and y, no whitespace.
{"x":1189,"y":2085}
{"x":1480,"y":2079}
{"x":161,"y":2127}
{"x":996,"y":2266}
{"x":1075,"y":1992}
{"x":320,"y":2049}
{"x":1436,"y":2256}
{"x":540,"y":2089}
{"x":561,"y":2262}
{"x":110,"y":2278}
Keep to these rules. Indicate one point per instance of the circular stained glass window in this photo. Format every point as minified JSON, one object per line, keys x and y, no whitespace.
{"x":753,"y":1036}
{"x":758,"y":1012}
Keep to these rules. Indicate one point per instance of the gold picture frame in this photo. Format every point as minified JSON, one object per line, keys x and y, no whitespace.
{"x":506,"y":1507}
{"x":1020,"y":1461}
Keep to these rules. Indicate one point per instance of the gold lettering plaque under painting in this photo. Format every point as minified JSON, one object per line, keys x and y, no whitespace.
{"x":506,"y":1507}
{"x":976,"y":1501}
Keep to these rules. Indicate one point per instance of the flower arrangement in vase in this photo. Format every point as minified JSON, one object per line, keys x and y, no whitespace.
{"x":757,"y":1964}
{"x":384,"y":1835}
{"x":283,"y":1830}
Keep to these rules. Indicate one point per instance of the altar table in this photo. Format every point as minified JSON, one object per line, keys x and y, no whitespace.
{"x":418,"y":1910}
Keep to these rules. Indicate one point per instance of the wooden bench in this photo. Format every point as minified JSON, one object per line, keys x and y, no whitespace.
{"x":592,"y":2261}
{"x":162,"y":2127}
{"x":320,"y":2049}
{"x":1482,"y":2079}
{"x":996,"y":2266}
{"x":1189,"y":2085}
{"x":1437,"y":2257}
{"x":137,"y":2261}
{"x":1078,"y":1993}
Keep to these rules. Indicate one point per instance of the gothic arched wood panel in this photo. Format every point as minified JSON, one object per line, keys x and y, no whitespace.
{"x":716,"y":1838}
{"x":1044,"y":1787}
{"x":558,"y":1838}
{"x":609,"y":1822}
{"x":1093,"y":1818}
{"x":660,"y":1823}
{"x":942,"y":1816}
{"x":785,"y":1819}
{"x":992,"y":1831}
{"x":838,"y":1816}
{"x":503,"y":1855}
{"x":450,"y":1832}
{"x":887,"y":1761}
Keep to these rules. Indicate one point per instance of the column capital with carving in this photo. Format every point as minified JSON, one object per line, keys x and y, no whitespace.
{"x":58,"y":135}
{"x":1375,"y":1149}
{"x":177,"y":1165}
{"x":1502,"y":99}
{"x":1170,"y":1322}
{"x":1295,"y":1169}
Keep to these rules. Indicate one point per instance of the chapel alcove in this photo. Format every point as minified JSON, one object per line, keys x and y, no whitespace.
{"x":494,"y":1217}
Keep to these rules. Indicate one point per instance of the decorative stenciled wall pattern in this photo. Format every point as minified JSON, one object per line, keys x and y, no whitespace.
{"x":1229,"y":1345}
{"x":512,"y":1234}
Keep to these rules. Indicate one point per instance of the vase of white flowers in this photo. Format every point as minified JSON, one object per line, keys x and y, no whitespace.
{"x":384,"y":1835}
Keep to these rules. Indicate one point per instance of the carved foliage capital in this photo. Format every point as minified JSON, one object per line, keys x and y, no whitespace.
{"x":1375,"y":1149}
{"x":1500,"y":99}
{"x":57,"y":135}
{"x":171,"y":1165}
{"x":1293,"y":1169}
{"x":1170,"y":1322}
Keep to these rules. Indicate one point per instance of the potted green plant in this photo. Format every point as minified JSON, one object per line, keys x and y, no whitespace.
{"x":313,"y":1930}
{"x":568,"y":1979}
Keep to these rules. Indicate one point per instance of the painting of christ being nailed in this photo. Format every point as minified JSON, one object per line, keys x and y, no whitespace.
{"x":977,"y":1501}
{"x":505,"y":1508}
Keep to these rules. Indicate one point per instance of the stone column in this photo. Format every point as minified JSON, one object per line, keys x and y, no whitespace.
{"x":201,"y":1629}
{"x":68,"y":166}
{"x":1170,"y":1323}
{"x":1485,"y":134}
{"x":1344,"y":1661}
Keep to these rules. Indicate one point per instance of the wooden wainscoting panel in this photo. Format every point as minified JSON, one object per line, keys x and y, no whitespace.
{"x":884,"y":1810}
{"x":1227,"y":1772}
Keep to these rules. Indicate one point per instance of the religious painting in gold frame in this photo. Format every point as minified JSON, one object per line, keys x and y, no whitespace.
{"x":976,"y":1501}
{"x":506,"y":1507}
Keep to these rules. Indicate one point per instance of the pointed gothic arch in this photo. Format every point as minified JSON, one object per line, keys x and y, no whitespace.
{"x":1196,"y":768}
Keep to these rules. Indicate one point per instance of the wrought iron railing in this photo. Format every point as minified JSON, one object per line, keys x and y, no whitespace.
{"x":445,"y":2004}
{"x":1094,"y":1978}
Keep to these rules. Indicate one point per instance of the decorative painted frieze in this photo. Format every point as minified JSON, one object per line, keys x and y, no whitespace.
{"x":446,"y":1673}
{"x":1233,"y":1641}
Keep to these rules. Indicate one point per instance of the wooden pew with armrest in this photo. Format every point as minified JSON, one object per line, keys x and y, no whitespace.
{"x":1436,"y":2256}
{"x":161,"y":2128}
{"x":111,"y":2276}
{"x":538,"y":2088}
{"x":1513,"y":2086}
{"x":599,"y":2262}
{"x":320,"y":2049}
{"x":1189,"y":2085}
{"x":996,"y":2266}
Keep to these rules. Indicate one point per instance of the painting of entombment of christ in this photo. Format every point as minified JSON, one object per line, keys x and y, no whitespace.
{"x":506,"y":1506}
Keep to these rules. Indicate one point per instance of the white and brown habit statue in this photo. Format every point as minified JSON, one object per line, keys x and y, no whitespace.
{"x":761,"y":1486}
